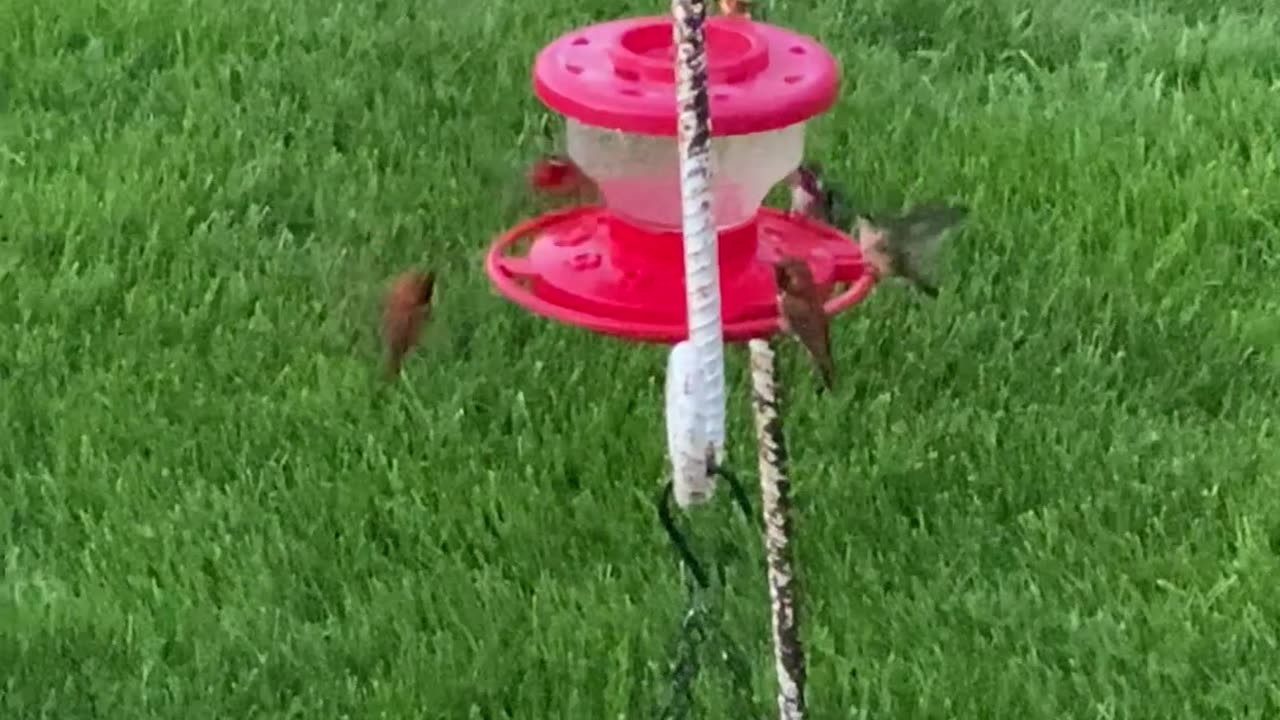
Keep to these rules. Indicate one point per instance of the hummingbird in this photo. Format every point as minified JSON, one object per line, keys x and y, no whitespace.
{"x":407,"y":308}
{"x":906,"y":246}
{"x":802,"y":314}
{"x":557,"y":175}
{"x":739,"y":8}
{"x":812,"y":196}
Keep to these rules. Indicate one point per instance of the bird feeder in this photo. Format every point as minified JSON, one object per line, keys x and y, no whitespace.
{"x":618,"y":269}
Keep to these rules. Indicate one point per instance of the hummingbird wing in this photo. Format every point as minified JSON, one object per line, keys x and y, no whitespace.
{"x":914,"y":239}
{"x":840,"y":211}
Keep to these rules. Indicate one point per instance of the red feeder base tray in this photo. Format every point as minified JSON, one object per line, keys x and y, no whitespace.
{"x":584,"y":267}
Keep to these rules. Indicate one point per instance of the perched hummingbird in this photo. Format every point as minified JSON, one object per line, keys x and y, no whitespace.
{"x":559,"y":176}
{"x":811,"y":196}
{"x":803,"y":316}
{"x":407,"y":308}
{"x":905,"y":246}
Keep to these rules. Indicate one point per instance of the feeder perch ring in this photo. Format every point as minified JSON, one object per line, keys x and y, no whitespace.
{"x":580,"y":269}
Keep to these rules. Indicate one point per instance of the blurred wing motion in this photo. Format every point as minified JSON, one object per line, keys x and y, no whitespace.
{"x":803,"y":316}
{"x":407,"y":308}
{"x":907,"y":246}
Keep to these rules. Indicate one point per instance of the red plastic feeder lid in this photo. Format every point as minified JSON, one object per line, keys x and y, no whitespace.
{"x":621,"y":75}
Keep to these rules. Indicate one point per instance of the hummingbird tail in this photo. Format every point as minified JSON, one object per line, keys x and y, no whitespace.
{"x":827,"y":372}
{"x":395,"y":362}
{"x":927,"y":288}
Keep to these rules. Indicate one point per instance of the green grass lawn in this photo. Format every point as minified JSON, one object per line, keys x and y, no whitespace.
{"x":1053,"y":493}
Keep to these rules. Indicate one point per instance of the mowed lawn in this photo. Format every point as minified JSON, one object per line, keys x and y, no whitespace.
{"x":1052,"y":493}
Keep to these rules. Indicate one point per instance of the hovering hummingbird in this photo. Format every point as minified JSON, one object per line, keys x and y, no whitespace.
{"x":407,"y":308}
{"x":557,"y":175}
{"x":906,"y":246}
{"x":803,"y":316}
{"x":812,"y":197}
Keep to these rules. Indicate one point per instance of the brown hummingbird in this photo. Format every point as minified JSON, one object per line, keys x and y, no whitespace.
{"x":407,"y":308}
{"x":557,"y":175}
{"x":736,"y":8}
{"x":812,"y":196}
{"x":802,"y":314}
{"x":906,"y":246}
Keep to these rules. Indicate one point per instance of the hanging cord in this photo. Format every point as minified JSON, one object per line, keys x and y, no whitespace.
{"x":699,"y":623}
{"x":775,"y":501}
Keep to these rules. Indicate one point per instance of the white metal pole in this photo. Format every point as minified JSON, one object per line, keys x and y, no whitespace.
{"x":775,"y":500}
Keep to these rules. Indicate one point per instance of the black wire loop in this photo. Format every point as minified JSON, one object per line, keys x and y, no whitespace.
{"x":698,"y":624}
